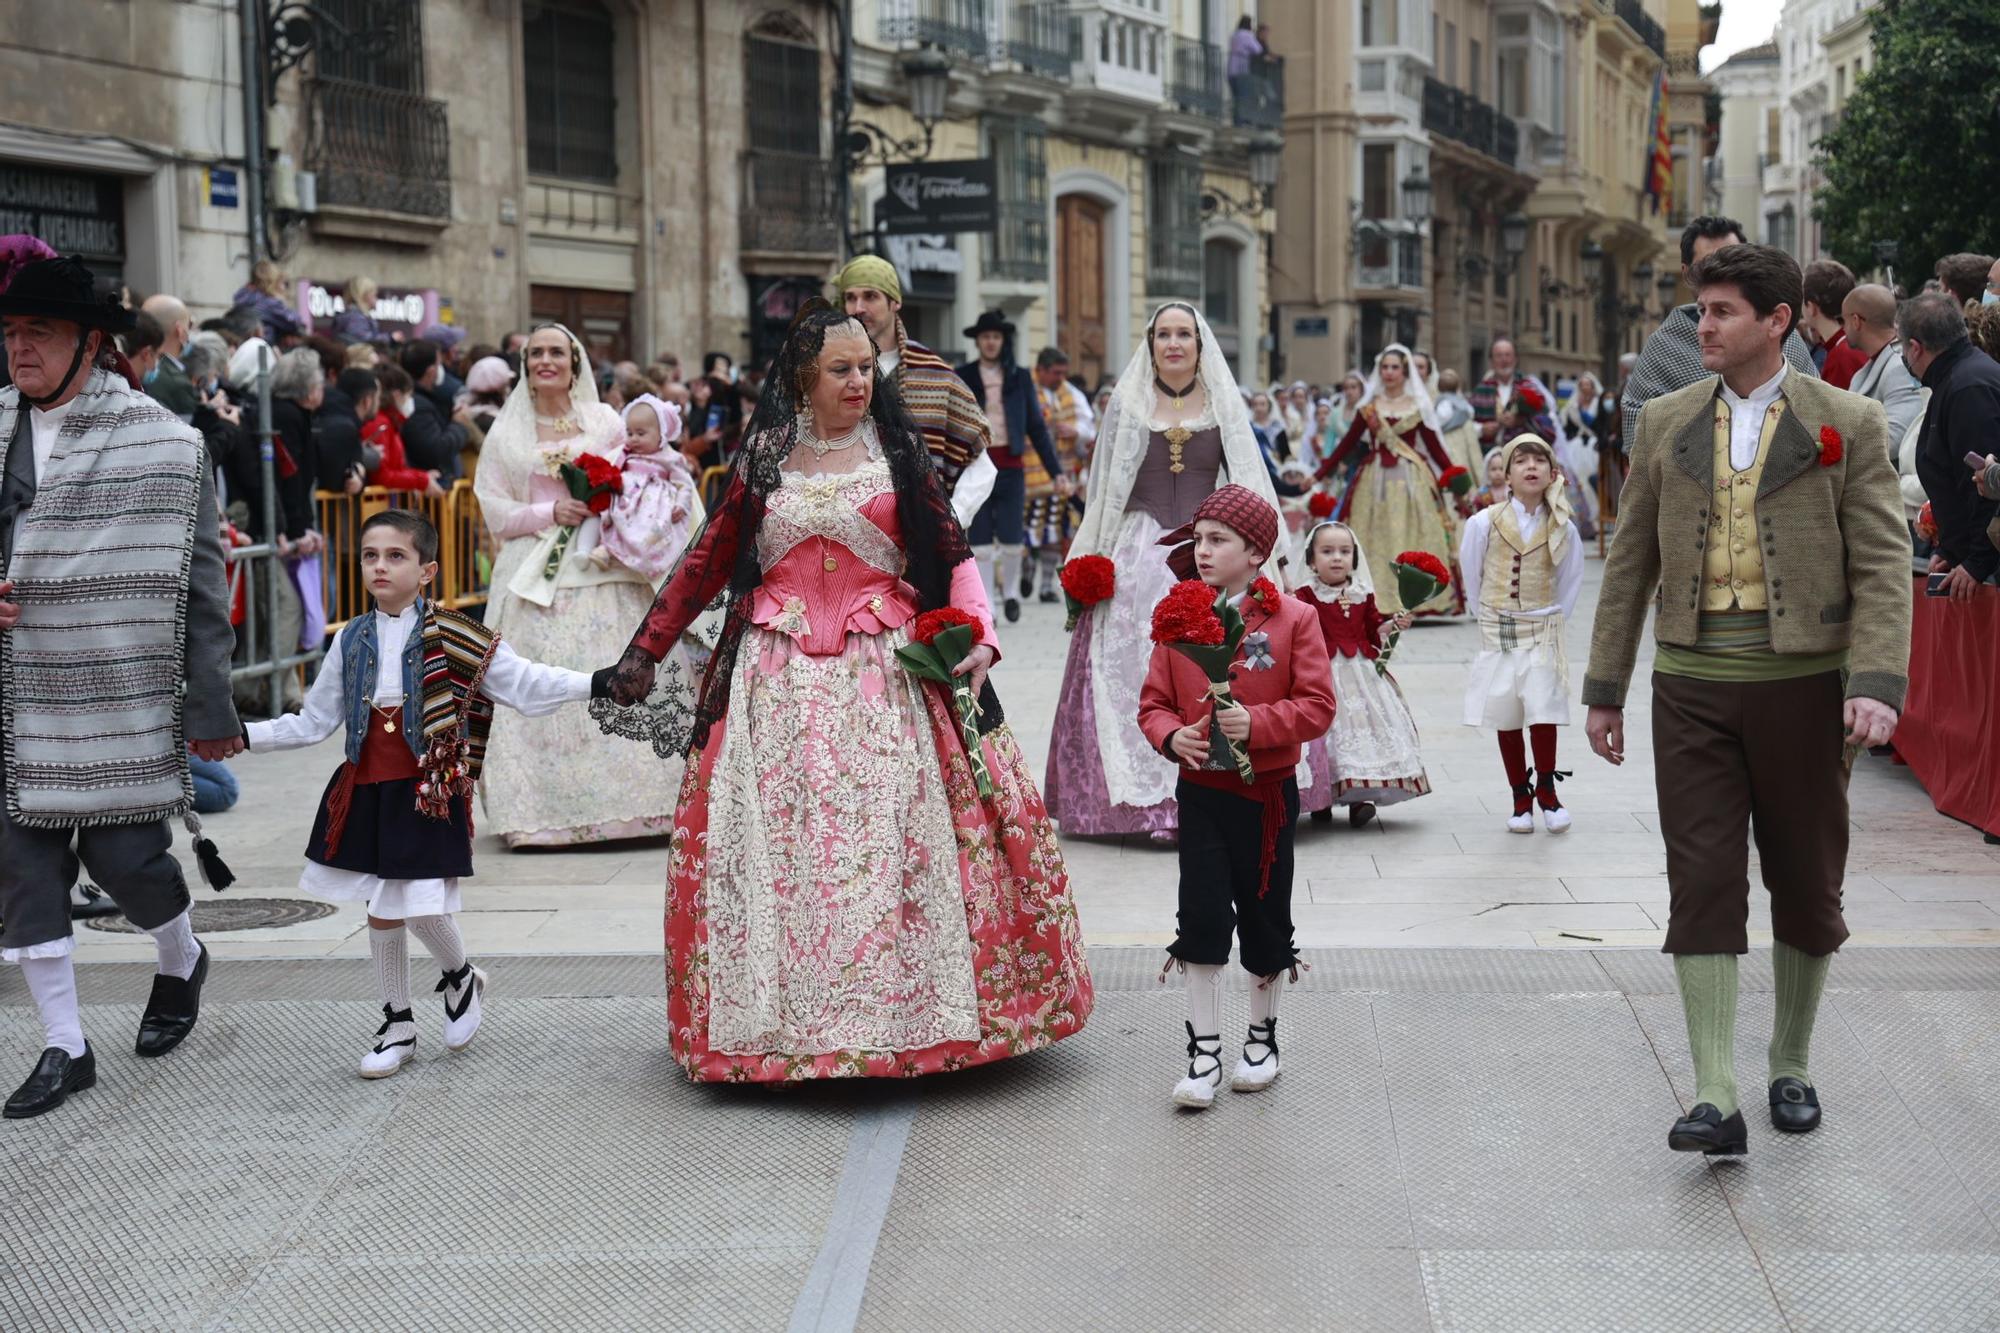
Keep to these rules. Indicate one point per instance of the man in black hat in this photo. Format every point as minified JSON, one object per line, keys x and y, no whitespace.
{"x":115,"y":618}
{"x":1013,"y":414}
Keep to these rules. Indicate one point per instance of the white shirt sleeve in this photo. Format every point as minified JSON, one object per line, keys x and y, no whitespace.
{"x":1472,"y":557}
{"x":325,"y":711}
{"x":1086,"y":419}
{"x":531,"y":688}
{"x":1569,"y":574}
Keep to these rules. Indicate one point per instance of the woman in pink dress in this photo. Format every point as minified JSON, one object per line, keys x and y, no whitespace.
{"x":841,"y":902}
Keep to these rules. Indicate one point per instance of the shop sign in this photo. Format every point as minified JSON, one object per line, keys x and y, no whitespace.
{"x":941,"y":197}
{"x":72,"y":212}
{"x":397,"y":309}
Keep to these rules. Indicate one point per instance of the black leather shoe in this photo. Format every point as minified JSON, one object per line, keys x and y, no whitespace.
{"x":57,"y":1074}
{"x":1704,"y":1130}
{"x":1359,"y":816}
{"x":1013,"y":610}
{"x":1322,"y":816}
{"x":1794,"y":1106}
{"x":171,"y":1011}
{"x":1049,"y":597}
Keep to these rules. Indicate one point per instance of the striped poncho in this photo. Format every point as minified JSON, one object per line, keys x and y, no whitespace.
{"x":953,"y":424}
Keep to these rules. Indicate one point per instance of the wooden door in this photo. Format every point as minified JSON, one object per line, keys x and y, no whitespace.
{"x":602,"y":321}
{"x":1080,"y":299}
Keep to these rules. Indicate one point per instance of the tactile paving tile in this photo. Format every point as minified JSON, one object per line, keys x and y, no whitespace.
{"x":1595,"y":1290}
{"x":1114,"y":1284}
{"x":1941,"y":1052}
{"x":1869,"y":1179}
{"x":58,"y":1293}
{"x":1504,"y":971}
{"x":1539,"y":1122}
{"x":1887,"y":1293}
{"x":1082,"y":1141}
{"x":1649,"y":972}
{"x":700,"y":1292}
{"x":567,"y":1129}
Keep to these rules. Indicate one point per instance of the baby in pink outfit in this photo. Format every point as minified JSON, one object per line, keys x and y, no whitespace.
{"x":650,"y":521}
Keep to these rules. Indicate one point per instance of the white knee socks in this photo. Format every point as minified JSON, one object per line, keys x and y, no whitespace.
{"x":1204,"y":989}
{"x":1264,"y":998}
{"x":178,"y":950}
{"x":391,"y":951}
{"x":52,"y":981}
{"x":1003,"y":570}
{"x":440,"y":935}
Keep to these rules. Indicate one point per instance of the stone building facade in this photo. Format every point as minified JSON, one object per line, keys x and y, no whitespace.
{"x":1122,"y":154}
{"x":487,"y":162}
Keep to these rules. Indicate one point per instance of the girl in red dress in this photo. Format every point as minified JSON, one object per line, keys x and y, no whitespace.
{"x":1370,"y":756}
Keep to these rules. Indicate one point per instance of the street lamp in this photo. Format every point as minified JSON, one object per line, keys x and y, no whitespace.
{"x":1514,"y":236}
{"x":1643,"y":274}
{"x":928,"y":76}
{"x":1416,"y":195}
{"x":1592,"y":251}
{"x":1265,"y":151}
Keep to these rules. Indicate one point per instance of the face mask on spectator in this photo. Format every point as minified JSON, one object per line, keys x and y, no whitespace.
{"x":1989,"y":297}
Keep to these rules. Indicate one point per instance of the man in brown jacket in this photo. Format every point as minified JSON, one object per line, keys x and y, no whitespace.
{"x":1762,"y":520}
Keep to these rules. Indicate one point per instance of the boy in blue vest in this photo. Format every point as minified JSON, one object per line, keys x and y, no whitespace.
{"x":413,"y":684}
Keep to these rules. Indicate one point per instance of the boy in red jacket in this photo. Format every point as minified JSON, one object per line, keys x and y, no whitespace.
{"x":1236,"y":838}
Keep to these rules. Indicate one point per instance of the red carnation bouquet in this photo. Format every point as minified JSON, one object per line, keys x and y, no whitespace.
{"x":1926,"y":524}
{"x":1456,"y":480}
{"x":939,"y":641}
{"x":1199,"y":622}
{"x":1420,"y":576}
{"x":1531,"y":400}
{"x":592,"y":479}
{"x":1086,"y":581}
{"x":1320,"y":504}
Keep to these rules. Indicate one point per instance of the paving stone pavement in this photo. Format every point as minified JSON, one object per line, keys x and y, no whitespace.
{"x":1480,"y":1069}
{"x":1463,"y":1139}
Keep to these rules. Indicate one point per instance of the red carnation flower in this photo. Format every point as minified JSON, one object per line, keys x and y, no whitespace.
{"x":1456,"y":480}
{"x":1530,"y":398}
{"x":603,"y":478}
{"x":933,"y":623}
{"x":1926,"y":524}
{"x":1320,"y":505}
{"x":1089,"y":579}
{"x":1187,"y":615}
{"x":1829,"y":446}
{"x":1265,"y":591}
{"x":1427,"y":562}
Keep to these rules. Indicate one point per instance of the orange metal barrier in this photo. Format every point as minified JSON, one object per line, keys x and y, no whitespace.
{"x":465,"y":564}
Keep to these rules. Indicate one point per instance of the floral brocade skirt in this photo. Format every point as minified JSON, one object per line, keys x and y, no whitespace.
{"x":840,"y":900}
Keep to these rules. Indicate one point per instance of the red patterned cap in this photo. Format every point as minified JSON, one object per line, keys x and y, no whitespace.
{"x":1238,"y":508}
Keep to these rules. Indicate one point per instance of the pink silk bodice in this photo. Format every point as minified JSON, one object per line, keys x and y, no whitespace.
{"x":830,"y":549}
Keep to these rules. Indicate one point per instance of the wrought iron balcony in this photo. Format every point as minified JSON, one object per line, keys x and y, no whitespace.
{"x":1388,"y":256}
{"x":1260,"y":97}
{"x":1634,"y":15}
{"x":789,"y":203}
{"x":377,"y":148}
{"x":1463,"y":117}
{"x":1197,"y":85}
{"x":962,"y":27}
{"x":1019,"y":250}
{"x":1038,"y":38}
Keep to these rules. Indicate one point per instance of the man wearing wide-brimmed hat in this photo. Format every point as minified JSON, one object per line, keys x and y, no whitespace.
{"x":1014,"y":415}
{"x":114,"y":659}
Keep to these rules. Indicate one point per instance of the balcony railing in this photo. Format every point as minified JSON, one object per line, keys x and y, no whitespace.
{"x":1038,"y":39}
{"x":1121,"y":51}
{"x":1020,"y":247}
{"x":1461,"y":116}
{"x":963,"y":27}
{"x":376,"y":148}
{"x":1389,"y":257}
{"x":1650,"y":32}
{"x":1197,"y":86}
{"x":1260,"y":95}
{"x":789,"y":203}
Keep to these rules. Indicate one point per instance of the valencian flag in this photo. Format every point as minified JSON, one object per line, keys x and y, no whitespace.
{"x":1660,"y":152}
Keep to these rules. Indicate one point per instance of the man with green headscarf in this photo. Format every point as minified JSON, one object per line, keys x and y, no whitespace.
{"x":944,"y":409}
